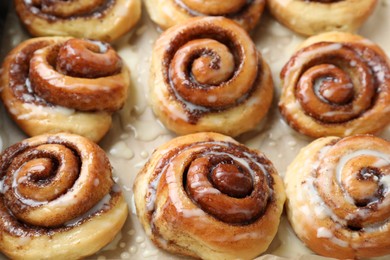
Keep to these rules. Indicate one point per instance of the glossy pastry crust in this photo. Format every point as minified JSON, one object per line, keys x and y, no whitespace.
{"x":104,"y":20}
{"x":207,"y":196}
{"x":172,"y":12}
{"x":338,"y":196}
{"x":310,"y":17}
{"x":58,"y":84}
{"x":336,"y":84}
{"x":206,"y":75}
{"x":57,"y":199}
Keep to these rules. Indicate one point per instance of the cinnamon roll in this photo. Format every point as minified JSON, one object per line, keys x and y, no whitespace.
{"x":57,"y":198}
{"x":56,"y":84}
{"x":310,"y":17}
{"x":172,"y":12}
{"x":206,"y":75}
{"x":104,"y":20}
{"x":207,"y":196}
{"x":338,"y":196}
{"x":336,"y":84}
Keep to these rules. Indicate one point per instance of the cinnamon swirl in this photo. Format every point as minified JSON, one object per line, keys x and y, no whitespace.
{"x":207,"y":75}
{"x":336,"y":84}
{"x":338,"y":196}
{"x":205,"y":195}
{"x":310,"y":17}
{"x":57,"y":198}
{"x":104,"y":20}
{"x":57,"y":84}
{"x":172,"y":12}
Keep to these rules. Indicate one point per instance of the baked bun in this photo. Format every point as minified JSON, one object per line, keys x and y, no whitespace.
{"x":336,"y":84}
{"x":310,"y":17}
{"x":207,"y":196}
{"x":104,"y":20}
{"x":58,"y":84}
{"x":57,"y":198}
{"x":338,"y":196}
{"x":167,"y":13}
{"x":206,"y":75}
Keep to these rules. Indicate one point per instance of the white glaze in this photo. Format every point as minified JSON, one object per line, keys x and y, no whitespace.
{"x":324,"y":232}
{"x":103,"y":203}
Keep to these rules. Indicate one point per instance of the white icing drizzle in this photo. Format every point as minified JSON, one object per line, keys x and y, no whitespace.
{"x":316,"y":200}
{"x":2,"y":187}
{"x":385,"y":181}
{"x":102,"y":204}
{"x":132,"y":205}
{"x":25,"y":201}
{"x":152,"y":188}
{"x":344,"y":159}
{"x":175,"y":110}
{"x":103,"y":48}
{"x":307,"y":55}
{"x":35,"y":111}
{"x":324,"y":232}
{"x":322,"y":211}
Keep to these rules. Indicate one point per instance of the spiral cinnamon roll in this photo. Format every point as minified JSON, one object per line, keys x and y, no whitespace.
{"x":207,"y":196}
{"x":57,"y":84}
{"x":172,"y":12}
{"x":57,"y":198}
{"x":104,"y":20}
{"x":338,"y":196}
{"x":310,"y":17}
{"x":337,"y":84}
{"x":207,"y":75}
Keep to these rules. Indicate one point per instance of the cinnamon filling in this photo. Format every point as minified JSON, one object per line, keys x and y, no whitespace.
{"x":213,"y":7}
{"x":231,"y":180}
{"x":207,"y":69}
{"x":225,"y":180}
{"x":53,"y":10}
{"x":351,"y":179}
{"x":338,"y":82}
{"x":79,"y":74}
{"x":48,"y":184}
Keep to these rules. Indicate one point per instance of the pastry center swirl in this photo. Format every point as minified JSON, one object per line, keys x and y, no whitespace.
{"x":230,"y":187}
{"x":214,"y":65}
{"x":231,"y":180}
{"x":48,"y":184}
{"x":48,"y":175}
{"x":210,"y":67}
{"x":87,"y":59}
{"x":369,"y":178}
{"x":78,"y":74}
{"x":334,"y":86}
{"x":356,"y":171}
{"x":337,"y":82}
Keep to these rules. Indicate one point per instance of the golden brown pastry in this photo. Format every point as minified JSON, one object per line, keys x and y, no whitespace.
{"x":310,"y":17}
{"x":57,"y":198}
{"x":167,"y":13}
{"x":206,"y":75}
{"x":336,"y":84}
{"x":57,"y":84}
{"x":338,"y":196}
{"x":207,"y":196}
{"x":104,"y":20}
